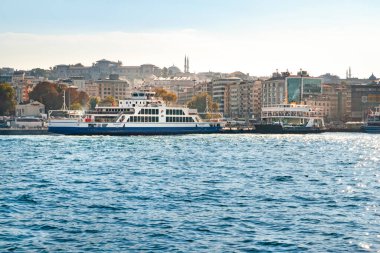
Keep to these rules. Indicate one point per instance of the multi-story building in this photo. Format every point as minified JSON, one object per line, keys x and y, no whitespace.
{"x":231,"y":100}
{"x":103,"y":68}
{"x":239,"y":99}
{"x":92,"y":89}
{"x":274,"y":89}
{"x":257,"y":98}
{"x":218,"y":90}
{"x":79,"y":82}
{"x":300,"y":87}
{"x":360,"y":99}
{"x":113,"y":86}
{"x":285,"y":88}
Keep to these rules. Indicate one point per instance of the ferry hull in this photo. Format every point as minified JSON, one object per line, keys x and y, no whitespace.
{"x":133,"y":130}
{"x":278,"y":129}
{"x":371,"y":129}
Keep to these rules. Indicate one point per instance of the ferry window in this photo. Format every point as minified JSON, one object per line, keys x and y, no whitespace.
{"x":167,"y":119}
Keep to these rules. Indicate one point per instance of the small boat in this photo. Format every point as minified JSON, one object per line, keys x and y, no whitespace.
{"x":372,"y":125}
{"x":142,"y":114}
{"x":288,"y":119}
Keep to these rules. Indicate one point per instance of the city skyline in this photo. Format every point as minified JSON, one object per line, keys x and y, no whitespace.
{"x":250,"y":36}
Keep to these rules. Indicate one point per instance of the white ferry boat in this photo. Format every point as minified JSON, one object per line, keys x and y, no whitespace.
{"x":142,"y":114}
{"x":290,"y":118}
{"x":372,"y":124}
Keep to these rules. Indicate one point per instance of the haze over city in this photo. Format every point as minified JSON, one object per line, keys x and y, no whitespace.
{"x":255,"y":37}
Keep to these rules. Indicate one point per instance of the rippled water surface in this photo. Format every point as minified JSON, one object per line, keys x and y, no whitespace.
{"x":200,"y":193}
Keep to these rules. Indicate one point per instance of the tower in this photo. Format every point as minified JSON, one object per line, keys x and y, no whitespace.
{"x":187,"y":64}
{"x":185,"y":67}
{"x":349,"y":72}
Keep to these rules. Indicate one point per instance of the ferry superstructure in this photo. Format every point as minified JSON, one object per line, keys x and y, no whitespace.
{"x":290,"y":118}
{"x":142,"y":114}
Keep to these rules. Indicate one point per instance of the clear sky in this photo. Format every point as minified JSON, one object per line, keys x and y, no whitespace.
{"x":253,"y":36}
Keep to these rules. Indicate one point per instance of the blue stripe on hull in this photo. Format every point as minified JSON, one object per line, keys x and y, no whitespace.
{"x":371,"y":129}
{"x":132,"y":130}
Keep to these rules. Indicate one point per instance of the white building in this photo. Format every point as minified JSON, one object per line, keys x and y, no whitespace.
{"x":34,"y":109}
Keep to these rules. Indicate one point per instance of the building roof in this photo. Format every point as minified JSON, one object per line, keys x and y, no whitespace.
{"x":372,"y":77}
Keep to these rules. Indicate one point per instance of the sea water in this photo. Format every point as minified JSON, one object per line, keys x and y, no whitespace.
{"x":190,"y":193}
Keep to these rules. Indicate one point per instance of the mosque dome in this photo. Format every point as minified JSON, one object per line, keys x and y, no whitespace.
{"x":372,"y":77}
{"x":173,"y":70}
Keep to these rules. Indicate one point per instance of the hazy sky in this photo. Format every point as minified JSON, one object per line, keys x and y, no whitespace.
{"x":255,"y":37}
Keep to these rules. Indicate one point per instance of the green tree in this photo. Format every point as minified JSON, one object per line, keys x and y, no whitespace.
{"x":108,"y":101}
{"x":199,"y":102}
{"x":93,"y":102}
{"x":167,"y":96}
{"x":7,"y":99}
{"x":38,"y":72}
{"x":76,"y":106}
{"x":164,"y":72}
{"x":47,"y":94}
{"x":82,"y":99}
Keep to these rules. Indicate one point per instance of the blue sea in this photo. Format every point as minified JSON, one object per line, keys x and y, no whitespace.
{"x":190,"y":193}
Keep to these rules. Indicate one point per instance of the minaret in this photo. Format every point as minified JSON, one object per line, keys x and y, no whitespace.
{"x":187,"y":64}
{"x":185,"y":67}
{"x":349,"y":72}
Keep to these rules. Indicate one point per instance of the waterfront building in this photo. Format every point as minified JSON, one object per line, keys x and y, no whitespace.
{"x":360,"y":99}
{"x":32,"y":109}
{"x":113,"y":86}
{"x":231,"y":100}
{"x":274,"y":89}
{"x":218,"y":90}
{"x":257,"y":98}
{"x":238,"y":97}
{"x":300,"y":87}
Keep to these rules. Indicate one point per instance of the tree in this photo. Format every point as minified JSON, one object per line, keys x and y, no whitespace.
{"x":164,"y":72}
{"x":76,"y":106}
{"x":7,"y":99}
{"x":199,"y":102}
{"x":38,"y":72}
{"x":108,"y":101}
{"x":82,"y":99}
{"x":167,"y":96}
{"x":93,"y":102}
{"x":47,"y":94}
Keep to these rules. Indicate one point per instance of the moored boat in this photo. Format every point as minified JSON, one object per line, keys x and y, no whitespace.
{"x":289,"y":118}
{"x":372,"y":124}
{"x":142,"y":114}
